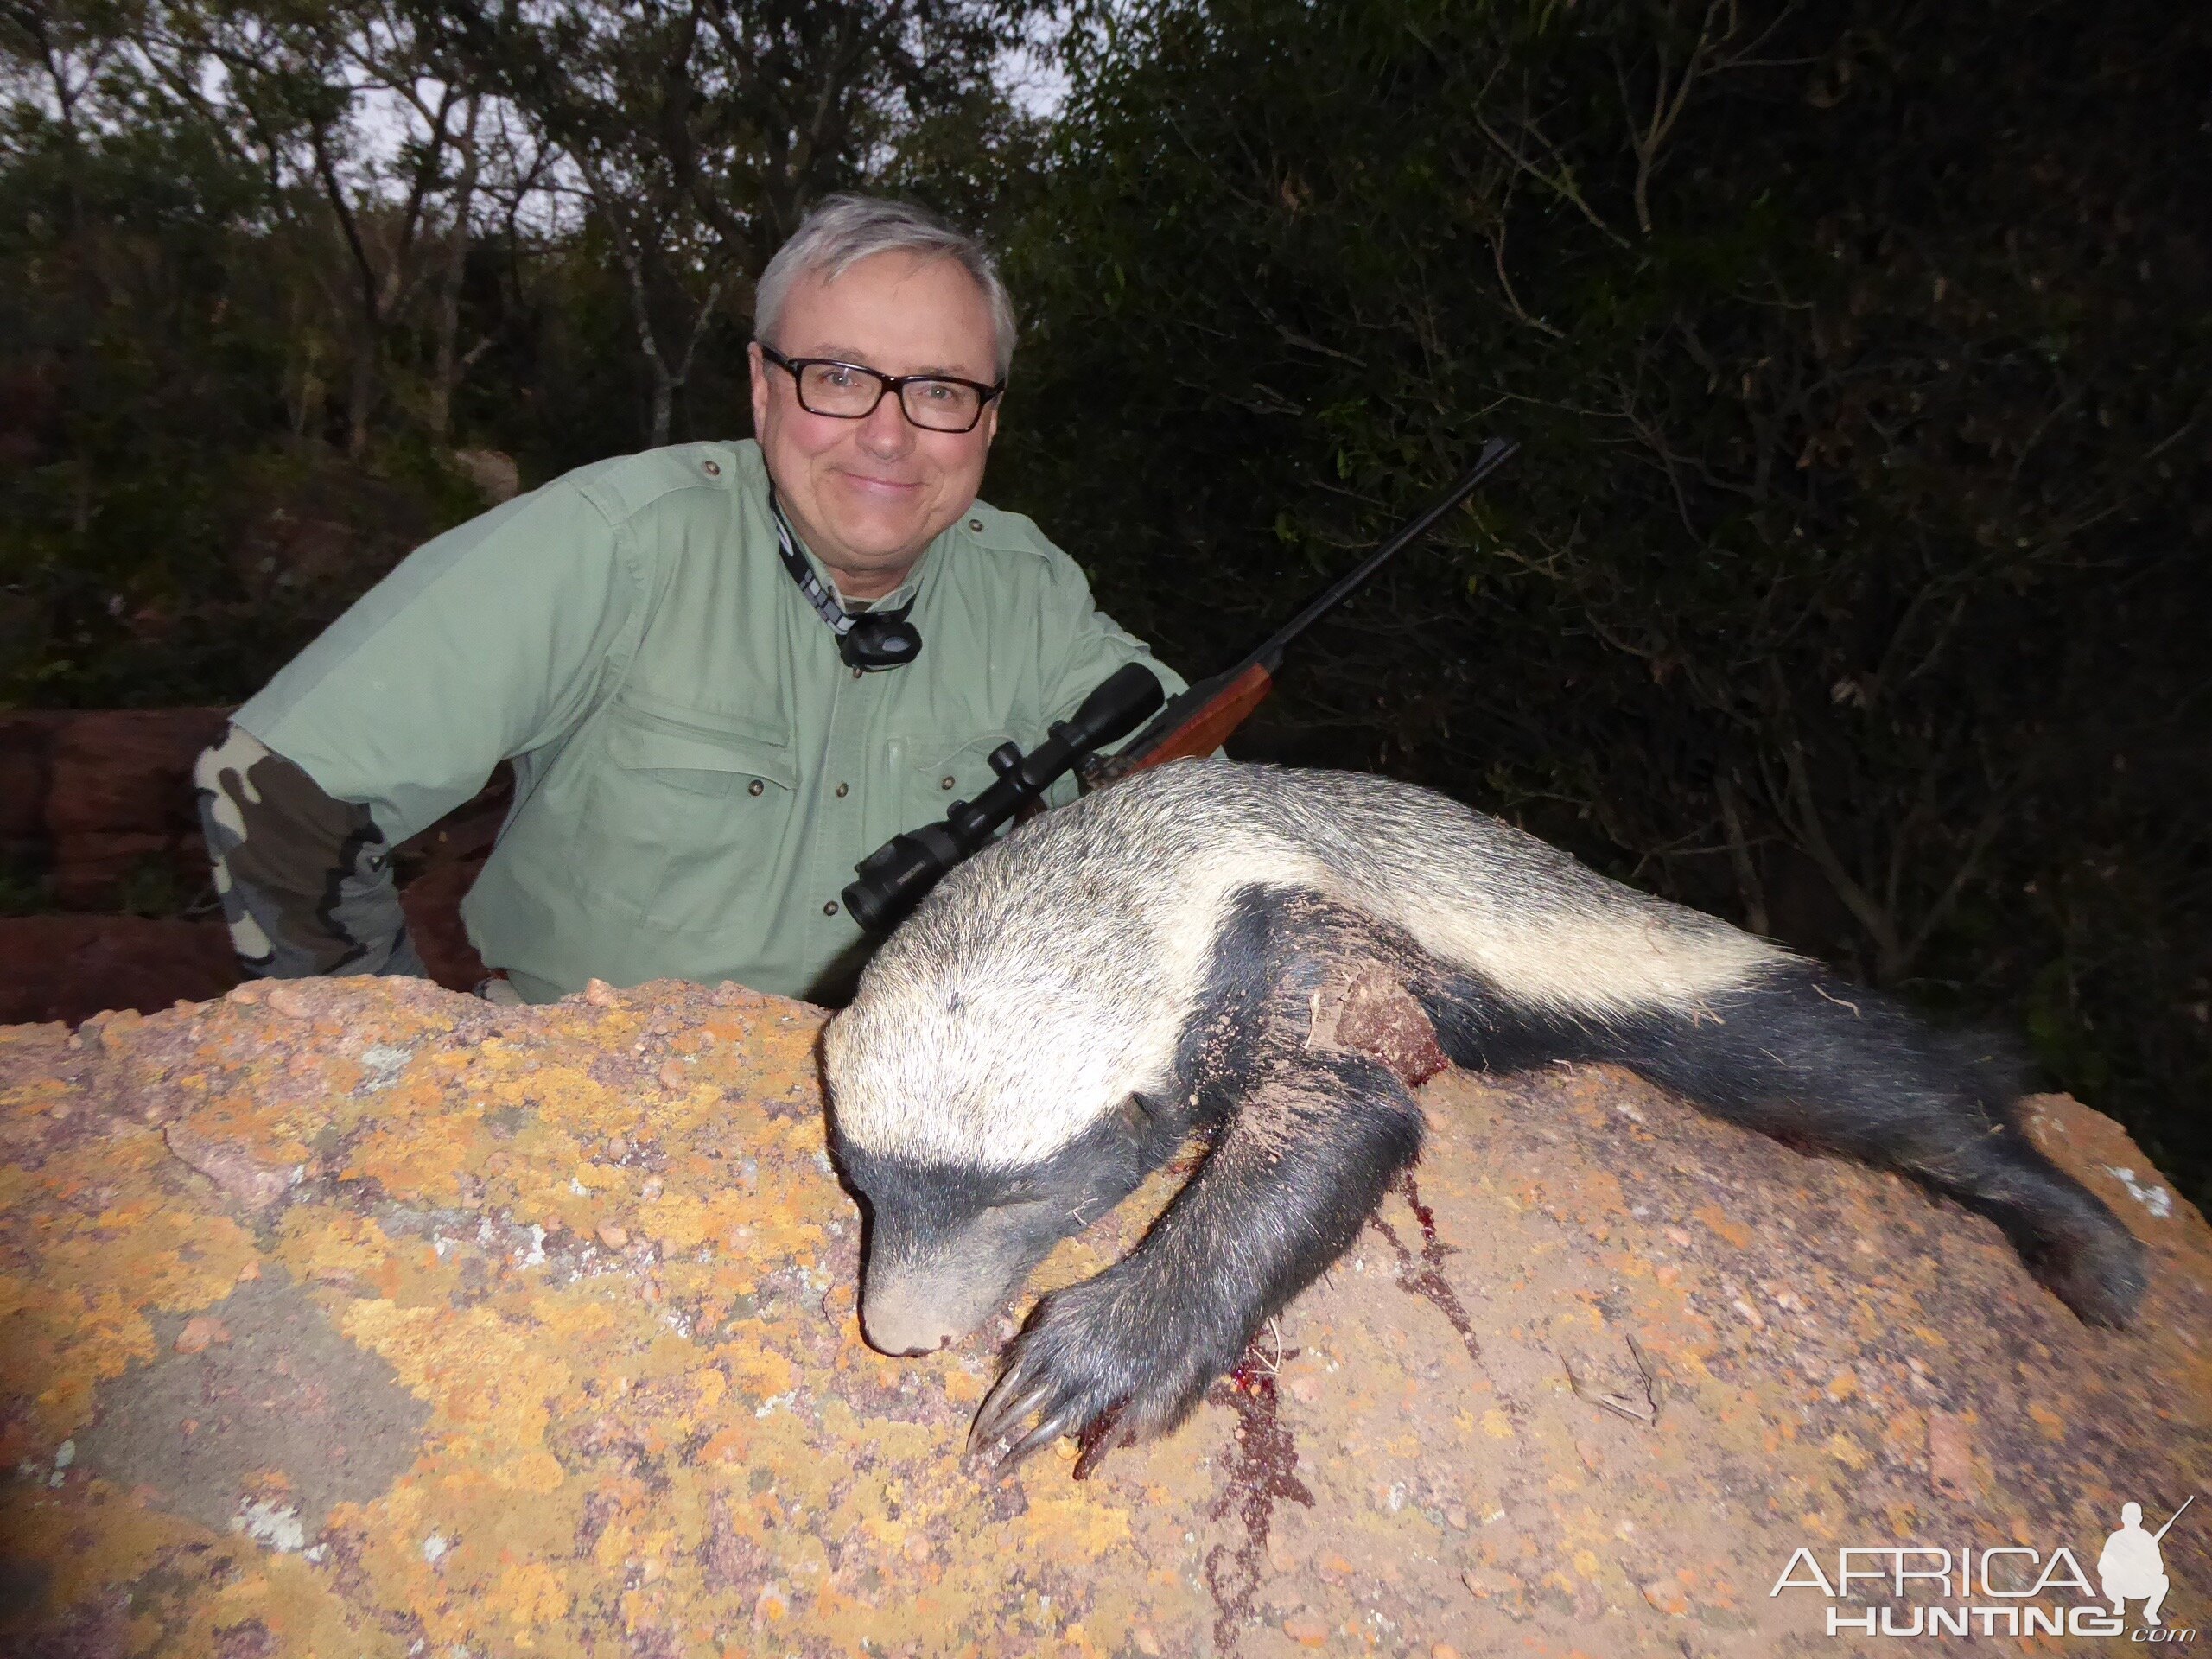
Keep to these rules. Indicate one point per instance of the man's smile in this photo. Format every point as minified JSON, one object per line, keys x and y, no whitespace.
{"x":888,"y":488}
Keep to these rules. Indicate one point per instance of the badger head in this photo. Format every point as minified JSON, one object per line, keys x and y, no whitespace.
{"x":980,"y":1127}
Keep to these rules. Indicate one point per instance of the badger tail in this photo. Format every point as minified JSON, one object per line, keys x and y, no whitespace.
{"x":1795,"y":1053}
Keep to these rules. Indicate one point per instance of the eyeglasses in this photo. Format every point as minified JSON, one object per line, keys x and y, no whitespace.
{"x":847,"y":391}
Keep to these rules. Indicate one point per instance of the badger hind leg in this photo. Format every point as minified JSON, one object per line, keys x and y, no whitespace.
{"x":1805,"y":1056}
{"x":1313,"y":1143}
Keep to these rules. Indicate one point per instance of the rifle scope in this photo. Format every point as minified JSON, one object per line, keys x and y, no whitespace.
{"x":897,"y":874}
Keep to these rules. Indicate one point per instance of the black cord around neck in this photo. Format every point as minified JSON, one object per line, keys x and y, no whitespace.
{"x":872,"y":641}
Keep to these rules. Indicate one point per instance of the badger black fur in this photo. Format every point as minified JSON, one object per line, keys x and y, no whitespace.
{"x":1074,"y":1001}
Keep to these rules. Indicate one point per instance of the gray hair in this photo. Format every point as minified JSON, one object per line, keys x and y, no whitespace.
{"x":840,"y":231}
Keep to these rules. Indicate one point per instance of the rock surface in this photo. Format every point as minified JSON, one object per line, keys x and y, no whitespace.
{"x":96,"y":803}
{"x":100,"y":795}
{"x":119,"y":797}
{"x":360,"y":1318}
{"x":69,"y":965}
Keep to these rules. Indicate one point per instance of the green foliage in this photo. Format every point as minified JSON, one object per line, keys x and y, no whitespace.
{"x":152,"y":887}
{"x":142,"y":374}
{"x":1849,"y":583}
{"x":150,"y":468}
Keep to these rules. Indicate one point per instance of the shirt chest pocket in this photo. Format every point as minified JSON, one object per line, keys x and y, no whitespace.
{"x":692,"y":818}
{"x":741,"y":758}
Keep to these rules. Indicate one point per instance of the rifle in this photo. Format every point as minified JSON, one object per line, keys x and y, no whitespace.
{"x":1200,"y":720}
{"x":897,"y":874}
{"x":2171,"y":1519}
{"x":907,"y":866}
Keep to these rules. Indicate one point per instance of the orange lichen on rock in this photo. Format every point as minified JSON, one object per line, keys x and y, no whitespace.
{"x":355,"y":1317}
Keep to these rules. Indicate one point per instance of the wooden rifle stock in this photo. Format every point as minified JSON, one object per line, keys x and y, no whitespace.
{"x":1202,"y":719}
{"x":1224,"y":709}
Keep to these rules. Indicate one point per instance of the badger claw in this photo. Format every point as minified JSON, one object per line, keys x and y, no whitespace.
{"x":1009,"y":1404}
{"x":1004,"y":1407}
{"x":1065,"y":1421}
{"x":1084,"y":1365}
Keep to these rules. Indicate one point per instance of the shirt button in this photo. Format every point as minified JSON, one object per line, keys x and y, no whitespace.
{"x":945,"y":782}
{"x":829,"y":909}
{"x":755,"y":787}
{"x":975,"y":524}
{"x":858,"y":673}
{"x":843,"y":790}
{"x":714,"y":468}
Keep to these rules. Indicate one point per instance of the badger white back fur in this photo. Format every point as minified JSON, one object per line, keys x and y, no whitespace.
{"x":1074,"y":1001}
{"x":1016,"y":1006}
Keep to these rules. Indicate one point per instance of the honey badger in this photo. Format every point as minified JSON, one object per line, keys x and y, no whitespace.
{"x":1076,"y":1000}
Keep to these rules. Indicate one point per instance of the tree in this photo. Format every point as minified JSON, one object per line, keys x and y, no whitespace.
{"x":1852,"y":539}
{"x":372,"y":146}
{"x":699,"y":131}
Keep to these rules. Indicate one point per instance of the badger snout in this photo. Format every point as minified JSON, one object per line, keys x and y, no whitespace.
{"x":906,"y":1312}
{"x":901,"y":1321}
{"x":928,"y":1285}
{"x":948,"y":1246}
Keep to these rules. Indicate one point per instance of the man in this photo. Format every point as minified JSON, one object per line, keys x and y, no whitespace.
{"x":2130,"y":1565}
{"x":724,"y":672}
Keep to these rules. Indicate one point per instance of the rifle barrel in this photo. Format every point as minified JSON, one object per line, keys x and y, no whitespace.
{"x":1249,"y":679}
{"x":1494,"y":455}
{"x":2171,"y":1519}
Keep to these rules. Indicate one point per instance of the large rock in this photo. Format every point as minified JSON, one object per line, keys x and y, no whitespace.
{"x":100,"y":803}
{"x":68,"y":966}
{"x":119,"y":797}
{"x":26,"y":767}
{"x":91,"y":799}
{"x":359,"y":1318}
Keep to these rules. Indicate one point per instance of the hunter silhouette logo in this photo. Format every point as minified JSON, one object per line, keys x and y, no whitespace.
{"x":2131,"y":1568}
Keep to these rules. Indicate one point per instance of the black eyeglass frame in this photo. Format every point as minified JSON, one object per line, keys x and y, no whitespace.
{"x":886,"y":385}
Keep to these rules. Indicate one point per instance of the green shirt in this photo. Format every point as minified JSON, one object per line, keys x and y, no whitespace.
{"x":697,"y":773}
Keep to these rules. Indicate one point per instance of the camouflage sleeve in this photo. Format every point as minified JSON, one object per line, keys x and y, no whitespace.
{"x":306,"y":881}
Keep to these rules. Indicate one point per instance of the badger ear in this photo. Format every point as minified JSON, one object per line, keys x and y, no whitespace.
{"x":1136,"y":1117}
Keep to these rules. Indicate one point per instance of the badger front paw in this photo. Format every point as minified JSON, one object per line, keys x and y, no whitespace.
{"x":1101,"y":1361}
